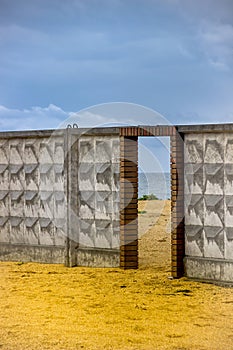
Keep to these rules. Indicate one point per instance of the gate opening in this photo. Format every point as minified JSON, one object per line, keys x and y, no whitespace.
{"x":154,"y":203}
{"x":129,"y":195}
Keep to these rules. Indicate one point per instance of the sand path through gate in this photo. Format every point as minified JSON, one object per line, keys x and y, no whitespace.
{"x":154,"y":234}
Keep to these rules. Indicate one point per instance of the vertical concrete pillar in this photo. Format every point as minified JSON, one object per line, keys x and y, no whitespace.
{"x":71,"y":176}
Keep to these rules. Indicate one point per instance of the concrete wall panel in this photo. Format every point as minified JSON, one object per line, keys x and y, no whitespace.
{"x":31,"y":194}
{"x":98,"y":191}
{"x":208,"y":204}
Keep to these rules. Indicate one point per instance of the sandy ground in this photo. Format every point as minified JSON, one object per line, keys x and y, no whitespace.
{"x":155,"y":235}
{"x":52,"y":307}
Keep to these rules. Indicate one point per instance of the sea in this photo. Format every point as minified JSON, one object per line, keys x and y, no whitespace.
{"x":156,"y":183}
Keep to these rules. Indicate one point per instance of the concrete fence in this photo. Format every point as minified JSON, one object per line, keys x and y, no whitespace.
{"x":59,"y":197}
{"x":70,"y":196}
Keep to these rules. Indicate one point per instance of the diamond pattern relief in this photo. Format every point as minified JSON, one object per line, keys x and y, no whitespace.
{"x":104,"y":205}
{"x":4,"y":152}
{"x":229,"y":149}
{"x":87,"y":232}
{"x":17,"y":177}
{"x":194,"y":190}
{"x":103,"y":177}
{"x":86,"y":150}
{"x":87,"y":204}
{"x":228,"y":184}
{"x":16,"y":152}
{"x":32,"y":231}
{"x":194,"y":178}
{"x":214,"y":178}
{"x":195,"y":210}
{"x":99,"y":181}
{"x":31,"y":171}
{"x":4,"y":204}
{"x":104,"y":232}
{"x":194,"y":242}
{"x":214,"y":148}
{"x":58,"y":157}
{"x":4,"y":229}
{"x":86,"y":177}
{"x":103,"y":150}
{"x":32,"y":199}
{"x":193,"y":149}
{"x":46,"y":153}
{"x":31,"y":152}
{"x":17,"y":230}
{"x":214,"y":217}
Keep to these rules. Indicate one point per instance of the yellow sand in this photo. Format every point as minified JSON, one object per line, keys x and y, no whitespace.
{"x":53,"y":307}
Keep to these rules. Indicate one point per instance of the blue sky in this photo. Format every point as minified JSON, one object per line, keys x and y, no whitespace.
{"x":174,"y":56}
{"x":59,"y":57}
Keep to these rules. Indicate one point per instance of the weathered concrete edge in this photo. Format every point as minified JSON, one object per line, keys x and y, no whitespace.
{"x":30,"y":134}
{"x":30,"y":253}
{"x":209,"y":269}
{"x":196,"y":128}
{"x":205,"y":128}
{"x":106,"y":131}
{"x":59,"y":132}
{"x":93,"y":257}
{"x":96,"y":257}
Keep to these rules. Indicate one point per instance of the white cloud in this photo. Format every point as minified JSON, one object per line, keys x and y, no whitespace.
{"x":53,"y":117}
{"x":118,"y":113}
{"x":110,"y":114}
{"x":30,"y":119}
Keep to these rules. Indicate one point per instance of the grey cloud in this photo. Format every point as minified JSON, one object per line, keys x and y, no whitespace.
{"x":212,"y":10}
{"x":217,"y":43}
{"x":212,"y":22}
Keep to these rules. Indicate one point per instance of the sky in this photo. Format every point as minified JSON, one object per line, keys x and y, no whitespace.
{"x":57,"y":58}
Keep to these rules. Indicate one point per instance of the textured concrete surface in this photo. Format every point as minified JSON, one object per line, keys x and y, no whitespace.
{"x":205,"y":128}
{"x":98,"y":191}
{"x":217,"y":270}
{"x":98,"y":257}
{"x":38,"y":177}
{"x":31,"y":253}
{"x":39,"y":172}
{"x":32,"y":191}
{"x":93,"y":194}
{"x":208,"y":200}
